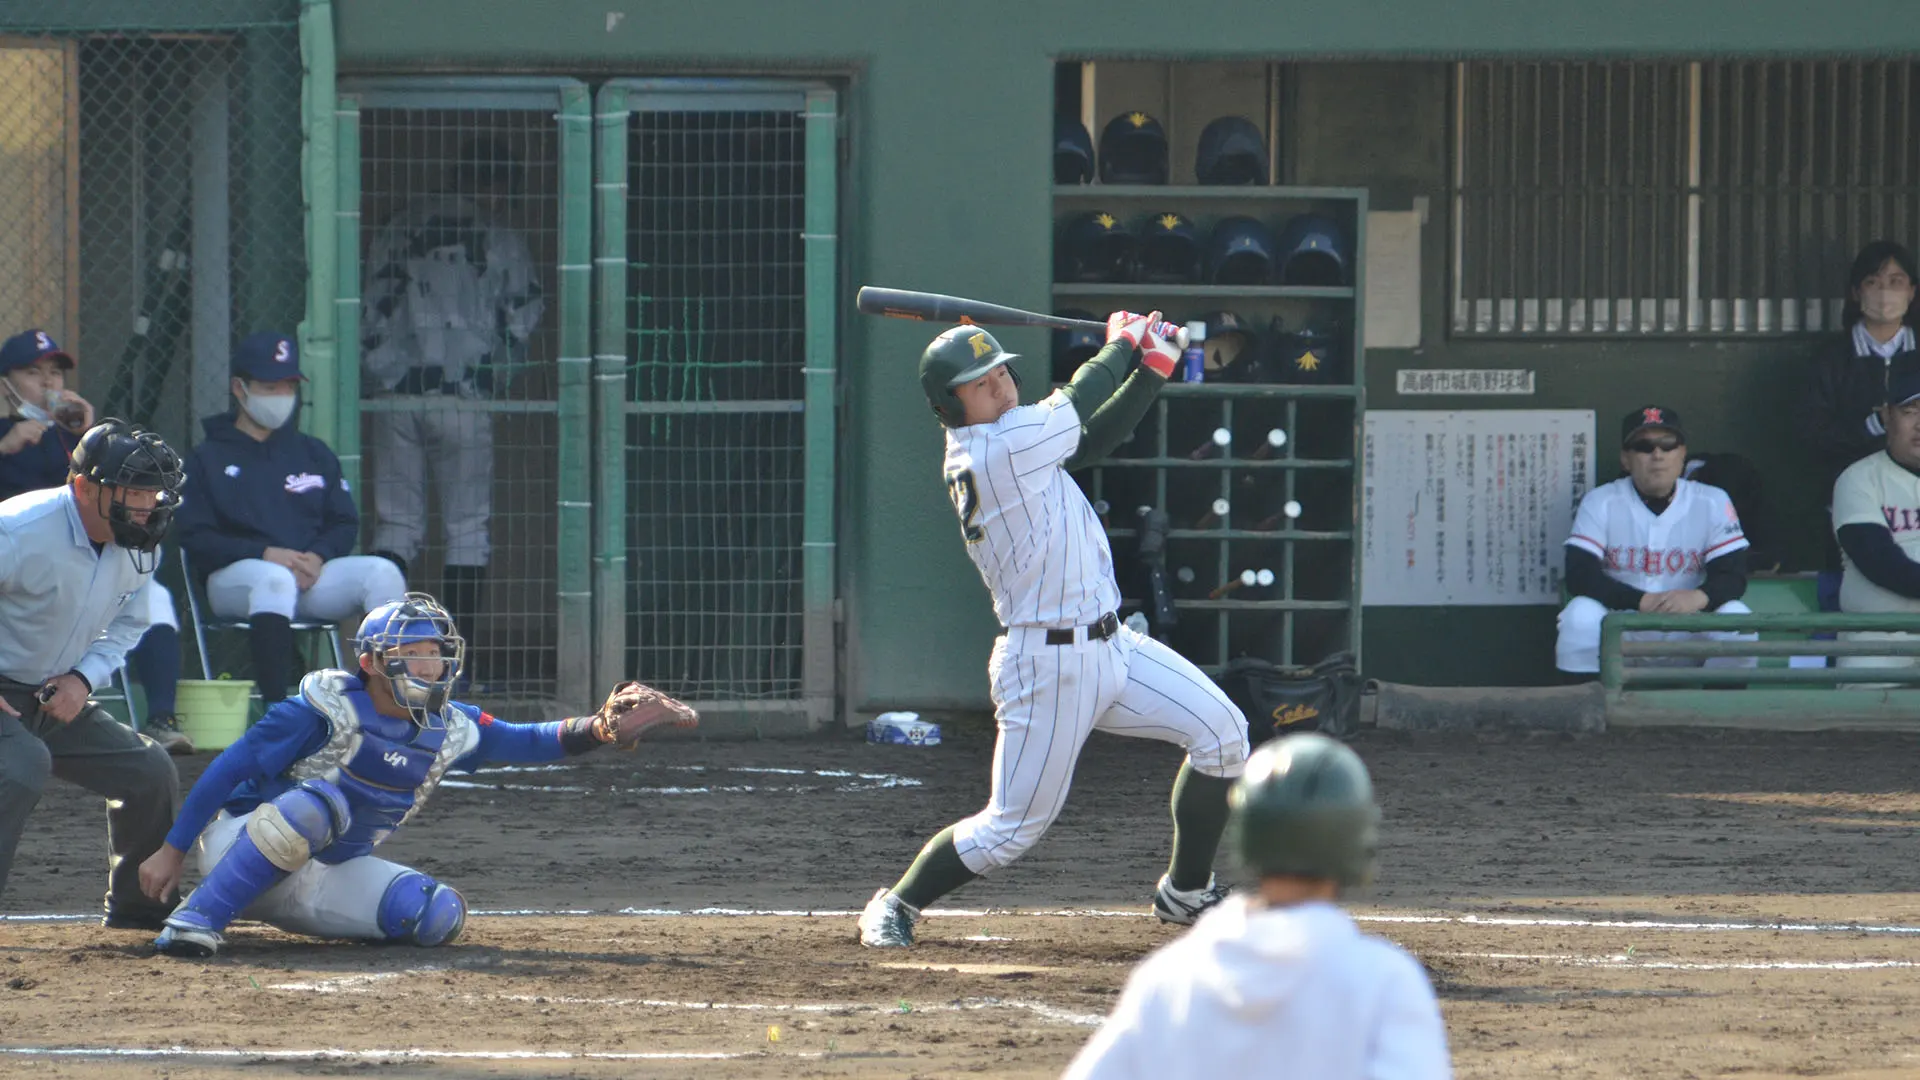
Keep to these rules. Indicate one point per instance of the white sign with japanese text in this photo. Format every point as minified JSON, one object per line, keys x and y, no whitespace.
{"x":1471,"y":506}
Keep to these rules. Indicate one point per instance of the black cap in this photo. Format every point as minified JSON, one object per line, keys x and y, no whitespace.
{"x":1650,"y":416}
{"x":1903,"y":379}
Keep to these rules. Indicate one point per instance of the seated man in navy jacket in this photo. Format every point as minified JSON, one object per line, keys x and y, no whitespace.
{"x":41,"y":422}
{"x":267,"y":518}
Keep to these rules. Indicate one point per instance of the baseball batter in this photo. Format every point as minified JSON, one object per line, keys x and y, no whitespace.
{"x":1064,"y":665}
{"x":307,"y":794}
{"x":1280,"y":982}
{"x":1652,"y":541}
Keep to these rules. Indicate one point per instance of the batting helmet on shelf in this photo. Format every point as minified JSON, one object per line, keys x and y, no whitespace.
{"x":1304,"y":807}
{"x":1240,"y":252}
{"x":1169,"y":252}
{"x":1075,"y":345}
{"x":1312,"y":252}
{"x":1133,"y":150}
{"x":1072,"y":151}
{"x":954,"y":359}
{"x":1311,"y":353}
{"x":1231,"y":152}
{"x":1095,"y":246}
{"x":1232,"y":348}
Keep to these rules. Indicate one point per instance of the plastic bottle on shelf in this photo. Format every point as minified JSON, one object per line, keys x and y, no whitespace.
{"x":1193,"y":362}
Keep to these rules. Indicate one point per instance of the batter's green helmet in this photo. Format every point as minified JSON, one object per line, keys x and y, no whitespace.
{"x":956,"y":358}
{"x":1305,"y":807}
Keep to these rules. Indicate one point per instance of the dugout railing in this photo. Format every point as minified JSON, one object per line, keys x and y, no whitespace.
{"x":1773,"y":695}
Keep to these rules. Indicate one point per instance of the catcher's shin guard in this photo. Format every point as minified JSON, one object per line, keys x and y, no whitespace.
{"x":417,"y":909}
{"x":279,"y":838}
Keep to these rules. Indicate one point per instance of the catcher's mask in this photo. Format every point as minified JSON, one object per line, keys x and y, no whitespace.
{"x":119,"y":457}
{"x":415,"y":618}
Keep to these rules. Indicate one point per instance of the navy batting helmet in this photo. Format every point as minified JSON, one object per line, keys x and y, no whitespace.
{"x":1310,"y":354}
{"x":1312,"y":252}
{"x":1095,"y":247}
{"x":1231,"y":348}
{"x":1240,"y":252}
{"x":1231,"y":152}
{"x":1075,"y":345}
{"x":1169,"y":250}
{"x":1133,"y":150}
{"x":1072,"y":151}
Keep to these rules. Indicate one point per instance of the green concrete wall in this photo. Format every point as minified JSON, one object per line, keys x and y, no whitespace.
{"x":950,"y":120}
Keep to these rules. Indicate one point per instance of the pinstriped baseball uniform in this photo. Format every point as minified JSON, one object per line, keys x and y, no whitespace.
{"x":1045,"y":559}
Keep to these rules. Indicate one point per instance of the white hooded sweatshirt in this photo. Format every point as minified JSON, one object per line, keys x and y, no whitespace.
{"x":1253,"y":991}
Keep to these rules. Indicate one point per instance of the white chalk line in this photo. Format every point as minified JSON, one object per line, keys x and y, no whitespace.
{"x":365,"y":984}
{"x":1506,"y":921}
{"x":860,"y":781}
{"x":1622,"y":960}
{"x":409,"y":1054}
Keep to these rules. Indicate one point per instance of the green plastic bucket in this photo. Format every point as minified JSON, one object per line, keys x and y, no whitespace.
{"x":213,"y":712}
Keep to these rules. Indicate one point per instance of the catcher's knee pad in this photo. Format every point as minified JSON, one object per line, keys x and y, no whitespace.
{"x":418,"y":909}
{"x":305,"y":820}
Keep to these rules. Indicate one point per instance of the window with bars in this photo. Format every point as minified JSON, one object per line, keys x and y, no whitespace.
{"x":1665,"y":198}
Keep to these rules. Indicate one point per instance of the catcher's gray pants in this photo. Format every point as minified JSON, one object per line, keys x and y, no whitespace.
{"x":319,"y":899}
{"x":453,"y":438}
{"x":104,"y":756}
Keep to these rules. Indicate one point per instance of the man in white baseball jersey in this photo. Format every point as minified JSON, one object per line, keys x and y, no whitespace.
{"x":1652,"y":541}
{"x":1064,"y":665}
{"x":1876,"y":518}
{"x":1281,"y":982}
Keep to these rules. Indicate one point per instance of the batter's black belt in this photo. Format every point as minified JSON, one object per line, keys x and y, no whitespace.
{"x":1107,"y":626}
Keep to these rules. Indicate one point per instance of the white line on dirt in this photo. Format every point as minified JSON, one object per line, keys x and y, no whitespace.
{"x":338,"y":1054}
{"x":364,"y":984}
{"x":1641,"y":924}
{"x":1624,"y":961}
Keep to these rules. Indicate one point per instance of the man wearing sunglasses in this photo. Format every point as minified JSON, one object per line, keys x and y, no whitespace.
{"x":1651,"y":541}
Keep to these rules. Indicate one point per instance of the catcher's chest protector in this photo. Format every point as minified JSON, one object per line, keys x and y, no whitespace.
{"x":386,"y":767}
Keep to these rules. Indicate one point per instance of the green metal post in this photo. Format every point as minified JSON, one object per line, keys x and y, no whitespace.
{"x":821,"y":244}
{"x":574,"y":611}
{"x":318,"y":160}
{"x":346,"y":289}
{"x":1610,"y":665}
{"x":609,"y":390}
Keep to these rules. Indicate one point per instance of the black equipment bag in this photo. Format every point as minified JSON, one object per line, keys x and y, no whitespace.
{"x":1284,"y":700}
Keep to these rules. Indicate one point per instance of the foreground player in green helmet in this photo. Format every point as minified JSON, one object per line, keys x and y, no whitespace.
{"x":1278,"y":980}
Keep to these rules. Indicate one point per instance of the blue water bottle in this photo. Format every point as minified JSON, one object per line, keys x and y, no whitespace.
{"x":1193,"y":361}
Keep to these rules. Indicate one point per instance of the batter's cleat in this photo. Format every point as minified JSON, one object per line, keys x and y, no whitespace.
{"x":165,"y":730}
{"x":1182,"y":908}
{"x":887,"y":923}
{"x":188,"y":936}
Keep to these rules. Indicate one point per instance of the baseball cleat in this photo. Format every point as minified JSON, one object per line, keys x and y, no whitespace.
{"x":1183,"y":907}
{"x":185,"y":938}
{"x":165,"y":730}
{"x":887,"y":923}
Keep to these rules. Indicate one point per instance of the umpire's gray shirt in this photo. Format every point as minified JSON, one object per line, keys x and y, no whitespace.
{"x":63,"y":606}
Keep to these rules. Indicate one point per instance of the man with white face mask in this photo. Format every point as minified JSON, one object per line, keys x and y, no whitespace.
{"x":267,"y":517}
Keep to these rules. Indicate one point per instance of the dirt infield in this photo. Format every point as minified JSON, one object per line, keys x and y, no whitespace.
{"x":1607,"y":906}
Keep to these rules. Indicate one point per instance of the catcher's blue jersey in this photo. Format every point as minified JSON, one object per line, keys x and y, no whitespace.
{"x":386,"y":766}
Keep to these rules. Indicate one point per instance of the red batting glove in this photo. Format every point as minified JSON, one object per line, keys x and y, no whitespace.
{"x":1159,"y":355}
{"x":1127,"y":325}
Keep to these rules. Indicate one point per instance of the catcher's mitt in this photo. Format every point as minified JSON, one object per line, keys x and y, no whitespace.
{"x":633,"y":709}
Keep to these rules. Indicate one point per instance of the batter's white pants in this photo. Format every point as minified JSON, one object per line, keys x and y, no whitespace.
{"x":320,"y":900}
{"x":348,"y":586}
{"x":1578,"y":650}
{"x":456,"y":444}
{"x":1049,"y":698}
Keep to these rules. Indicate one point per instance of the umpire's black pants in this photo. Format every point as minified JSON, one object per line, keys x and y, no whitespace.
{"x":104,"y":756}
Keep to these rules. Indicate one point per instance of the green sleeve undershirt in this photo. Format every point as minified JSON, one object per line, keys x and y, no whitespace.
{"x":1109,"y":401}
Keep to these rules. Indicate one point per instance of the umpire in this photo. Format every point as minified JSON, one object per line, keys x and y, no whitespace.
{"x":70,"y":559}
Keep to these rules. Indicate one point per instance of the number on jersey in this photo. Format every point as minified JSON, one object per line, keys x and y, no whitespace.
{"x":966,"y":503}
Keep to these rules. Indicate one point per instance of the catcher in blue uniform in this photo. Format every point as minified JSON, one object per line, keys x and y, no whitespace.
{"x":298,"y":805}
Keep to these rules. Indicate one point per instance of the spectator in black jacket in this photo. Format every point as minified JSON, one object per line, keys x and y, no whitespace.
{"x":41,"y":425}
{"x":1842,"y":416}
{"x":267,"y":518}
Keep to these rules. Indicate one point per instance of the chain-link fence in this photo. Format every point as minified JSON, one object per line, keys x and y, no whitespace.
{"x":150,"y":195}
